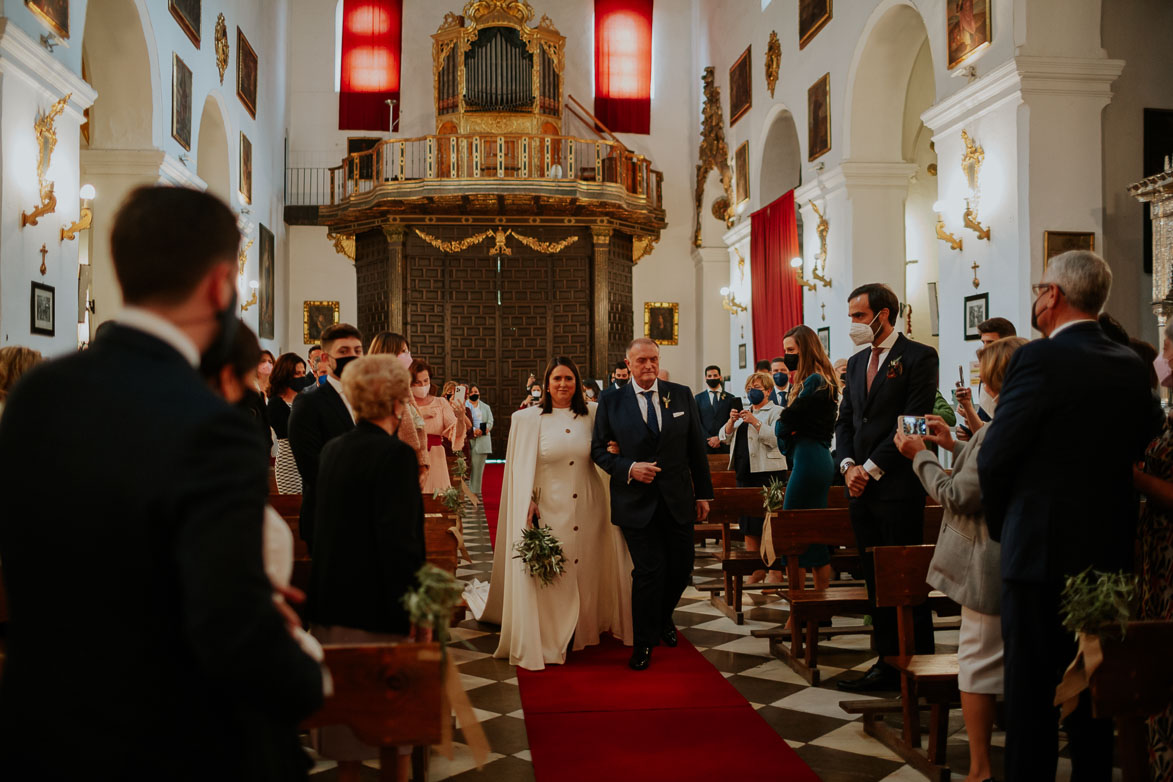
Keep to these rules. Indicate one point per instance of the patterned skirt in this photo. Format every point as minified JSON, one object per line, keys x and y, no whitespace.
{"x":288,"y":478}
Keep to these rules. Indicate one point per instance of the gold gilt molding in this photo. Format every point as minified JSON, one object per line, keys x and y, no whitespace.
{"x":642,"y":246}
{"x":478,"y":10}
{"x":221,"y":45}
{"x":544,"y":247}
{"x":714,"y":153}
{"x":499,"y":247}
{"x":45,"y":128}
{"x":455,"y":246}
{"x":773,"y":61}
{"x":343,"y":244}
{"x":242,"y":256}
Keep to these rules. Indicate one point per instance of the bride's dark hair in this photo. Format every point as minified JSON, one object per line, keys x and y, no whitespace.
{"x":577,"y":402}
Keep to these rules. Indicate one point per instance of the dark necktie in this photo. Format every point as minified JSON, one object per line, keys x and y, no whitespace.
{"x":653,"y":422}
{"x":874,"y":366}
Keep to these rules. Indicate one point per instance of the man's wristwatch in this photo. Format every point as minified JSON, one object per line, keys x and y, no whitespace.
{"x":843,"y":468}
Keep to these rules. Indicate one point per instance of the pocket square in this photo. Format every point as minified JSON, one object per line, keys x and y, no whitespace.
{"x":677,"y":415}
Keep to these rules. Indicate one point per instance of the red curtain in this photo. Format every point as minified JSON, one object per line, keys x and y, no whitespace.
{"x":777,"y":296}
{"x":623,"y":65}
{"x":372,"y":36}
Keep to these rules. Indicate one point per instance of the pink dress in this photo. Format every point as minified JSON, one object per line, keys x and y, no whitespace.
{"x":440,"y":423}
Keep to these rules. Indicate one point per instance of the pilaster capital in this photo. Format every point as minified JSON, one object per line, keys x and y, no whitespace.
{"x":394,"y":232}
{"x":601,"y":234}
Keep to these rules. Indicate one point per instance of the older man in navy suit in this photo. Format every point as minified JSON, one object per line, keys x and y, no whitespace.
{"x":1058,"y":509}
{"x":660,"y":485}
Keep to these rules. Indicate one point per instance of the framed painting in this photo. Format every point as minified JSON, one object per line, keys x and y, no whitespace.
{"x":662,"y":322}
{"x":967,"y":28}
{"x":246,"y":169}
{"x":976,"y":310}
{"x":741,"y":357}
{"x":187,"y":13}
{"x":1057,"y":242}
{"x":42,"y":309}
{"x":265,"y":298}
{"x":740,"y":87}
{"x":54,"y":14}
{"x":825,"y":339}
{"x":818,"y":113}
{"x":180,"y":102}
{"x":741,"y":170}
{"x":317,"y":316}
{"x":246,"y":74}
{"x":813,"y":16}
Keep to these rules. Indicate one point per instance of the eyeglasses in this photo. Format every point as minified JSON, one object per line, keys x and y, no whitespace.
{"x":1038,"y":288}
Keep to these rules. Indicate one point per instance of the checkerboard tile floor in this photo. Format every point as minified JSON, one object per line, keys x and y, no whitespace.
{"x":808,"y":718}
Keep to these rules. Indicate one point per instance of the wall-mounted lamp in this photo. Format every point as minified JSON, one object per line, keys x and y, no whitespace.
{"x":86,"y":217}
{"x":820,"y":264}
{"x":971,"y":166}
{"x":253,"y":299}
{"x":971,"y":222}
{"x":942,"y":234}
{"x":730,"y":302}
{"x":796,"y":263}
{"x":392,"y":121}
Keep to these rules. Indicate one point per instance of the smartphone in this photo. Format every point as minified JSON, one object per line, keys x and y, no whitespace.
{"x":960,"y":377}
{"x":914,"y":425}
{"x":461,"y":392}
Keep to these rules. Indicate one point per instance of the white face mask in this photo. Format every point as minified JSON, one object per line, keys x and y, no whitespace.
{"x":420,"y":391}
{"x":987,"y":402}
{"x":861,"y":333}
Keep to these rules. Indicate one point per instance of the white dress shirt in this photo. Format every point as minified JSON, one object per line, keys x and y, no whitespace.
{"x":160,"y":328}
{"x":337,"y":384}
{"x":871,"y":467}
{"x":655,"y":402}
{"x":1068,"y":323}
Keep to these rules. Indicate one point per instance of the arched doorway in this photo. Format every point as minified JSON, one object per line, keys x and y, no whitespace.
{"x":781,"y":169}
{"x":213,"y":163}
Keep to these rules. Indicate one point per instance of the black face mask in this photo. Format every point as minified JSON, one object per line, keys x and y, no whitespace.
{"x":621,"y":381}
{"x":791,"y":361}
{"x":843,"y":379}
{"x":473,"y":397}
{"x":301,"y":383}
{"x":340,"y":364}
{"x":712,"y":382}
{"x":216,"y":355}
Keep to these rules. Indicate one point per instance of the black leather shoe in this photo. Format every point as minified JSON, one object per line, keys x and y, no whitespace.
{"x":669,"y":638}
{"x":641,"y":658}
{"x":878,"y":677}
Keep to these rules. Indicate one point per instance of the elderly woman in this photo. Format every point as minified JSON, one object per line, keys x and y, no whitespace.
{"x":369,"y":534}
{"x":14,"y":362}
{"x":412,"y":432}
{"x":965,"y":564}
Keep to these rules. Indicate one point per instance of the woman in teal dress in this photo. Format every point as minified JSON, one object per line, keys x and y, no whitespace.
{"x":804,"y":433}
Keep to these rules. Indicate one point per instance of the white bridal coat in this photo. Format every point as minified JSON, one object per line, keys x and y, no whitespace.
{"x":593,"y":596}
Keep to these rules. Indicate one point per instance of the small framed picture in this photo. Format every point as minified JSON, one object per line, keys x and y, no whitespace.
{"x":741,"y":358}
{"x":662,"y":322}
{"x":741,"y":171}
{"x":246,"y":169}
{"x":1058,"y":242}
{"x":813,"y":16}
{"x":180,"y":102}
{"x":246,"y":74}
{"x":187,"y":13}
{"x":818,"y":104}
{"x":976,"y":310}
{"x":42,"y":309}
{"x":740,"y":87}
{"x":53,"y":13}
{"x":317,"y":316}
{"x":825,"y":338}
{"x":967,"y":29}
{"x":934,"y":313}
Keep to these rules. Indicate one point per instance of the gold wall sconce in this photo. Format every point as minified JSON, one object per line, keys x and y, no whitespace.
{"x":971,"y":166}
{"x":730,"y":303}
{"x":244,"y":307}
{"x":819,"y":268}
{"x":740,"y":263}
{"x":46,"y":142}
{"x":953,"y":241}
{"x":971,"y":222}
{"x":797,"y":263}
{"x":86,"y":218}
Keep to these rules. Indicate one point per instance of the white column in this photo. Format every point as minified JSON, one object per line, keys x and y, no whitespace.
{"x":734,"y":258}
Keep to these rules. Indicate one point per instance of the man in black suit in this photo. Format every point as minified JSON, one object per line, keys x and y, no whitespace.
{"x":660,"y":464}
{"x":143,"y":637}
{"x":781,"y":375}
{"x":714,"y":406}
{"x":319,"y":415}
{"x":1056,"y":510}
{"x":894,"y":377}
{"x":620,"y":376}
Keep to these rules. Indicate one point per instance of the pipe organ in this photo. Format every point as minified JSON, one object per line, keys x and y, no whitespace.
{"x":494,"y":73}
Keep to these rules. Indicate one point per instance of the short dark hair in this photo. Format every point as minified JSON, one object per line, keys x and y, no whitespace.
{"x":712,"y":367}
{"x":1114,"y":329}
{"x":337,"y":331}
{"x":419,"y":365}
{"x":763,"y":366}
{"x":281,"y":380}
{"x":1000,"y":326}
{"x":620,"y":365}
{"x":166,"y":239}
{"x":243,"y":357}
{"x":312,"y":349}
{"x":880,"y":297}
{"x":777,"y":360}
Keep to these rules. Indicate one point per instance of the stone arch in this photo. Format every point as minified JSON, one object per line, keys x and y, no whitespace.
{"x":213,"y":161}
{"x":781,"y":156}
{"x":123,"y":66}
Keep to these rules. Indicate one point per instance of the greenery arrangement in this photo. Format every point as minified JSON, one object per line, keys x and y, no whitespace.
{"x":1093,"y":600}
{"x":541,"y":553}
{"x":773,"y":496}
{"x":451,"y":498}
{"x":460,"y":468}
{"x":431,"y":603}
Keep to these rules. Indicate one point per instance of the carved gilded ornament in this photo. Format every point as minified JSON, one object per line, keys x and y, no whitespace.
{"x":221,"y":46}
{"x":242,"y":257}
{"x":45,"y":128}
{"x":544,"y":247}
{"x":343,"y":244}
{"x":479,"y":10}
{"x":499,"y":247}
{"x":773,"y":61}
{"x":714,"y":153}
{"x":456,"y":245}
{"x":451,"y":22}
{"x":601,"y":234}
{"x":642,"y":246}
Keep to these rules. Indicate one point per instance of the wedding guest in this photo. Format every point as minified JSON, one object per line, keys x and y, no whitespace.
{"x":781,"y":377}
{"x":411,"y":431}
{"x":533,"y":398}
{"x":14,"y":362}
{"x":440,"y":425}
{"x":264,"y":373}
{"x":482,"y":443}
{"x":288,"y":378}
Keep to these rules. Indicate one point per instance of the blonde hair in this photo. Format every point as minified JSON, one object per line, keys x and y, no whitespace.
{"x":994,"y":360}
{"x":764,"y":378}
{"x":373,"y":384}
{"x":14,"y":362}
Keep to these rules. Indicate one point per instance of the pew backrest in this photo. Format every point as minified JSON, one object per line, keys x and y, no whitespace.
{"x":900,"y":574}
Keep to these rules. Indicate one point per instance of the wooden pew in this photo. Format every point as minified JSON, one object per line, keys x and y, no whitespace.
{"x":718,"y":462}
{"x":724,"y":479}
{"x":289,"y":507}
{"x":388,"y":694}
{"x":728,"y":506}
{"x":434,"y":507}
{"x":900,"y":584}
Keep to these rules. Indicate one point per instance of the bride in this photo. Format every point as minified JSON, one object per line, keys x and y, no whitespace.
{"x":549,"y":475}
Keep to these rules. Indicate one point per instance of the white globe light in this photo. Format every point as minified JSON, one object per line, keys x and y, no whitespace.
{"x":725,"y":291}
{"x":796,"y":262}
{"x":939,"y":206}
{"x":254,"y":284}
{"x":88,"y":193}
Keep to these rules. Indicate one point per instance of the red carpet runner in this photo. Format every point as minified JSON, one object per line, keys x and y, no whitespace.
{"x":491,"y":496}
{"x":595,"y":719}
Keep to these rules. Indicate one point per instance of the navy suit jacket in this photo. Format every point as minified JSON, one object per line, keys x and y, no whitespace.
{"x":906,"y":384}
{"x":713,"y":418}
{"x":679,"y":452}
{"x":1057,"y":488}
{"x":318,"y":416}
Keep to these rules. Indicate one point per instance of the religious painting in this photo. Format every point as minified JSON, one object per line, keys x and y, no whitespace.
{"x":741,"y":357}
{"x":246,"y":169}
{"x":317,"y":316}
{"x":42,"y":309}
{"x":53,"y":13}
{"x":1057,"y":242}
{"x":246,"y":74}
{"x":662,"y":322}
{"x":818,"y":114}
{"x":976,"y":311}
{"x":825,"y":339}
{"x":187,"y":13}
{"x":813,"y":16}
{"x":967,"y":27}
{"x":740,"y":87}
{"x":265,"y":298}
{"x":741,"y":170}
{"x":180,"y":102}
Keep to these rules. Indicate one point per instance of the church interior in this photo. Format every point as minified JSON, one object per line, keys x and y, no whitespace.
{"x":508,"y":181}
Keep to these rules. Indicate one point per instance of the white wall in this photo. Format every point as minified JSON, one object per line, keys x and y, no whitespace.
{"x":318,"y":274}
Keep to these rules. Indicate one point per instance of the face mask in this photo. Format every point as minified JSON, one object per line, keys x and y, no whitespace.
{"x":1164,"y":372}
{"x":791,"y":361}
{"x":987,"y":402}
{"x":321,"y":380}
{"x":473,"y":397}
{"x":265,"y":369}
{"x":621,"y":381}
{"x":756,"y":395}
{"x":216,"y":354}
{"x":712,"y":382}
{"x":536,"y":393}
{"x":405,"y":359}
{"x":340,"y":364}
{"x":301,"y":383}
{"x":861,"y":333}
{"x":420,"y":391}
{"x":781,"y":379}
{"x":1034,"y":315}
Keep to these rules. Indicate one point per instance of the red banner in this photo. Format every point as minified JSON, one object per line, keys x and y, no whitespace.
{"x":623,"y":65}
{"x":777,"y":296}
{"x":372,"y":37}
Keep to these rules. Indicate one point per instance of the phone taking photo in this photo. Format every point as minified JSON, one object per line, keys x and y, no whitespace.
{"x":914,"y":425}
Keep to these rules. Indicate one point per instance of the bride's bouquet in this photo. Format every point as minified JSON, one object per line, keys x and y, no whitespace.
{"x":541,"y":553}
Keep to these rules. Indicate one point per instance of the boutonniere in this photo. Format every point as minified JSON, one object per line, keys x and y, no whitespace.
{"x":667,"y":399}
{"x":895,"y":368}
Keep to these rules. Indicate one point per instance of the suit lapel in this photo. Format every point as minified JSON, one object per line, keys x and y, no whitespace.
{"x":894,"y":354}
{"x":338,"y":406}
